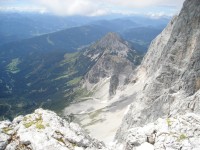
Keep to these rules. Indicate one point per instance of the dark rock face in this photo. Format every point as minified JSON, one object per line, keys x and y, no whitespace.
{"x":114,"y":82}
{"x":114,"y":58}
{"x":171,"y":71}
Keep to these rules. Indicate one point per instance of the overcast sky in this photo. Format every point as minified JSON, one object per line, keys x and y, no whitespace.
{"x":94,"y":7}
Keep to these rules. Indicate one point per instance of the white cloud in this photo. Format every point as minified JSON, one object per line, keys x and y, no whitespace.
{"x":100,"y":7}
{"x":75,"y":7}
{"x":158,"y":15}
{"x":22,"y":9}
{"x":146,"y":3}
{"x":94,"y":7}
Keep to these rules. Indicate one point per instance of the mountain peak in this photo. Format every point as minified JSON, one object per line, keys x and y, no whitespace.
{"x":113,"y":58}
{"x":111,"y":36}
{"x":110,"y":40}
{"x":110,"y":44}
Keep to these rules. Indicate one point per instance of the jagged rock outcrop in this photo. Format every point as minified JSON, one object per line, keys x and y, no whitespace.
{"x":167,"y":82}
{"x":176,"y":133}
{"x":44,"y":130}
{"x":115,"y":61}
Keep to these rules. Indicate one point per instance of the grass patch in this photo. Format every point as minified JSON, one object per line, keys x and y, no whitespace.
{"x":61,"y":140}
{"x":6,"y":130}
{"x":169,"y":123}
{"x":65,"y":75}
{"x":39,"y":125}
{"x":39,"y":119}
{"x":75,"y":81}
{"x":25,"y":118}
{"x":37,"y":122}
{"x":182,"y":137}
{"x":12,"y":67}
{"x":69,"y":57}
{"x":29,"y":124}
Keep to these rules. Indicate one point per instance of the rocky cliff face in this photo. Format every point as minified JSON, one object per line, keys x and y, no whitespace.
{"x":169,"y":76}
{"x":115,"y":61}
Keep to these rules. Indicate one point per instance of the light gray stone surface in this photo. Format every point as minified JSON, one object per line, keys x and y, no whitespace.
{"x":176,"y":133}
{"x":44,"y":130}
{"x":115,"y":59}
{"x":169,"y":75}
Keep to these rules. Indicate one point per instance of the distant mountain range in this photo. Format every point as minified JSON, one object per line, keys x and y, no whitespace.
{"x":72,"y":39}
{"x":47,"y":70}
{"x":18,"y":26}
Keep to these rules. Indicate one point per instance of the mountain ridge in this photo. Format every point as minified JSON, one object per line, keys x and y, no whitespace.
{"x":114,"y":58}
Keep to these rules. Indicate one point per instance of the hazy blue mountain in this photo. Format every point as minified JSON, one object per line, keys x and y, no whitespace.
{"x":68,"y":40}
{"x":122,"y":24}
{"x":17,"y":26}
{"x":117,"y":25}
{"x":141,"y":37}
{"x":150,"y":21}
{"x":139,"y":30}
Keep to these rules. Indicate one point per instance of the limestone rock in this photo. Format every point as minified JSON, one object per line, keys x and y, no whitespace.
{"x":114,"y":62}
{"x":44,"y":130}
{"x":179,"y":132}
{"x":168,"y":77}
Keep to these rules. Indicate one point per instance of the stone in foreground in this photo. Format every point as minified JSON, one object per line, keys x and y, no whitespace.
{"x":44,"y":130}
{"x":176,"y":133}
